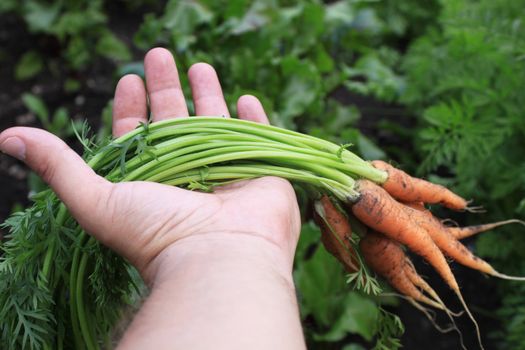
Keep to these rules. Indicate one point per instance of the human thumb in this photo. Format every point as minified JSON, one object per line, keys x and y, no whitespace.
{"x":74,"y":182}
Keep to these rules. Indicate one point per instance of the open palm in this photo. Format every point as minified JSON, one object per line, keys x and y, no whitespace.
{"x":142,"y":220}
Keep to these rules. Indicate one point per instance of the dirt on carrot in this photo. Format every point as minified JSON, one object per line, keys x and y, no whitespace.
{"x":387,"y":258}
{"x":448,"y":244}
{"x":406,"y":188}
{"x":336,"y":233}
{"x":379,"y":211}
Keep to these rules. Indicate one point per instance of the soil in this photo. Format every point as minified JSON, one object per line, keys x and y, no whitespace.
{"x":88,"y":103}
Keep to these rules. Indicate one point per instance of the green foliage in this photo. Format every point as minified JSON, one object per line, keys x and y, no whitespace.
{"x":409,"y":18}
{"x":59,"y":123}
{"x":380,"y":80}
{"x":321,"y":284}
{"x":466,"y":79}
{"x":34,"y":304}
{"x":24,"y":293}
{"x":30,"y":65}
{"x":290,"y":56}
{"x":294,"y":56}
{"x":49,"y":270}
{"x":80,"y":27}
{"x":326,"y":297}
{"x":389,"y":330}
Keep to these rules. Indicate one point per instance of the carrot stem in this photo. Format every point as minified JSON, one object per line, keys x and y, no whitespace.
{"x":163,"y":130}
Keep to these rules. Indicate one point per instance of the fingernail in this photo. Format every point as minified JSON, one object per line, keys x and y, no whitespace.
{"x":15,"y":147}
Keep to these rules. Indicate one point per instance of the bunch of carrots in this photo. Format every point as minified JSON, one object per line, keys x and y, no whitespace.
{"x":48,"y":253}
{"x":395,"y":215}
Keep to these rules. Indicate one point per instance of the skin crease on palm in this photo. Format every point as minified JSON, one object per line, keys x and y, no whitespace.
{"x":217,"y":264}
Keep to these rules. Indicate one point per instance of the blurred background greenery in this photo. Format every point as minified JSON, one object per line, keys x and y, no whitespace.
{"x":435,"y":86}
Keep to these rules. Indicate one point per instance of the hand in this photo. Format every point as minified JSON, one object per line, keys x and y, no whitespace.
{"x":219,"y":265}
{"x":142,"y":220}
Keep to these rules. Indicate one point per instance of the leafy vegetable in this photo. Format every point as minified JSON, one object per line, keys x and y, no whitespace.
{"x":466,"y":79}
{"x":321,"y":282}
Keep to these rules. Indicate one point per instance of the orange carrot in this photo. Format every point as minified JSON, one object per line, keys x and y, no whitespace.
{"x":452,"y":247}
{"x":376,"y":209}
{"x":418,"y":206}
{"x":406,"y":188}
{"x":387,"y":259}
{"x":379,"y":211}
{"x":417,"y":280}
{"x":346,"y":259}
{"x":336,"y":233}
{"x":447,"y":242}
{"x":464,"y":232}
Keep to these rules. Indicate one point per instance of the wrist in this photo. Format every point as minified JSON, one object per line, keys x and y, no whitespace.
{"x":237,"y":289}
{"x":230,"y":250}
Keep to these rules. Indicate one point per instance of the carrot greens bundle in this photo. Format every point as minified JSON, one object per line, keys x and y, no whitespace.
{"x":55,"y":280}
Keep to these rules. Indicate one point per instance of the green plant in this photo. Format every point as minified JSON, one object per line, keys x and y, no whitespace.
{"x":31,"y":63}
{"x":466,"y":80}
{"x":332,"y":310}
{"x":293,"y":56}
{"x":59,"y":123}
{"x":80,"y":28}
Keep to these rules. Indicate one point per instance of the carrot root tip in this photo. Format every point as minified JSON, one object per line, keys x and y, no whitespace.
{"x":430,"y":314}
{"x":507,"y":277}
{"x":476,"y":210}
{"x":478,"y":333}
{"x":513,"y":221}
